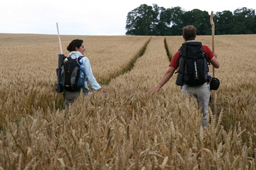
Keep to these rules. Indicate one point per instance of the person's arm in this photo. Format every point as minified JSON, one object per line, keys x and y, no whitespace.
{"x":167,"y":75}
{"x":211,"y":56}
{"x":89,"y":75}
{"x":215,"y":62}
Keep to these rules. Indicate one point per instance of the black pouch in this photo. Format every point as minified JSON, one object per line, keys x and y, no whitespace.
{"x":215,"y":83}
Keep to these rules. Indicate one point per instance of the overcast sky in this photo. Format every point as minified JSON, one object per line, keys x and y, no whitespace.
{"x":90,"y":17}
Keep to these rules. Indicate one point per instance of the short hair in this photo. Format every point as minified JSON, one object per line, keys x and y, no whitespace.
{"x":189,"y":32}
{"x":75,"y":43}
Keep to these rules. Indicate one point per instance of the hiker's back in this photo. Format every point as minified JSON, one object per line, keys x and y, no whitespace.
{"x":193,"y":64}
{"x":74,"y":74}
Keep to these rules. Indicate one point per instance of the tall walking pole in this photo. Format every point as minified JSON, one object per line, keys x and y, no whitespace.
{"x":213,"y":72}
{"x":59,"y":38}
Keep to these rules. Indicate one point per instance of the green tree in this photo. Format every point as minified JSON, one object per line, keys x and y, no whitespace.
{"x":161,"y":27}
{"x":200,"y":19}
{"x":155,"y":20}
{"x":176,"y":20}
{"x":140,"y":21}
{"x":224,"y":22}
{"x":250,"y":21}
{"x":241,"y":18}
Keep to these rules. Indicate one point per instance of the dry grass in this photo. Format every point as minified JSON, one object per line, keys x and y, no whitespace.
{"x":126,"y":128}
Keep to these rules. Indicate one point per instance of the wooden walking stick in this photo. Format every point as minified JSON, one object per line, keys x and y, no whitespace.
{"x":59,"y":38}
{"x":213,"y":72}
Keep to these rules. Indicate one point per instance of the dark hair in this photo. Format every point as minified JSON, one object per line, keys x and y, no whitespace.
{"x":189,"y":32}
{"x":75,"y":43}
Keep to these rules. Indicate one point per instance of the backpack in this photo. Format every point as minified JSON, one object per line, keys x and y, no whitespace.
{"x":71,"y":75}
{"x":193,"y":65}
{"x":59,"y":72}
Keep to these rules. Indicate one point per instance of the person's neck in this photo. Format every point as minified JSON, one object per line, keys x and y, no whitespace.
{"x":190,"y":40}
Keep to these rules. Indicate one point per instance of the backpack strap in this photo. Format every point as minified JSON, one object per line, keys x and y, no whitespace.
{"x":78,"y":60}
{"x":176,"y":62}
{"x":80,"y":63}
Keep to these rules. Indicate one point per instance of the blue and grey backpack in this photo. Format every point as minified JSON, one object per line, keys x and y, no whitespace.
{"x":70,"y":75}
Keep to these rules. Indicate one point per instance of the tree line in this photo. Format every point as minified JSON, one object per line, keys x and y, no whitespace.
{"x":155,"y":20}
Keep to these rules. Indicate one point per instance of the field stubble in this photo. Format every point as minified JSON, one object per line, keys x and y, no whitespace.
{"x":125,"y":128}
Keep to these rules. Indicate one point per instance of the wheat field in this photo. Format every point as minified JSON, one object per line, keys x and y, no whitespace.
{"x":126,"y":128}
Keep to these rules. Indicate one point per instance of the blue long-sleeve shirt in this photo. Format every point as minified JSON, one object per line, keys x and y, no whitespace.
{"x":88,"y":70}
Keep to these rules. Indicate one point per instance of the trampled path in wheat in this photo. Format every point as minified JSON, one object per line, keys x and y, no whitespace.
{"x":147,"y":69}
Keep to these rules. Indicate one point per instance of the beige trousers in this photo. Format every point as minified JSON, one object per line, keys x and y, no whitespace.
{"x":202,"y":94}
{"x":70,"y":97}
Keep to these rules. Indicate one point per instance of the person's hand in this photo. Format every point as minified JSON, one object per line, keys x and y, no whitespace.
{"x":101,"y":90}
{"x":215,"y":55}
{"x":155,"y":89}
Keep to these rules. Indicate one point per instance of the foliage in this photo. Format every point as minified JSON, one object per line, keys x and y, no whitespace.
{"x":155,"y":20}
{"x":141,"y":20}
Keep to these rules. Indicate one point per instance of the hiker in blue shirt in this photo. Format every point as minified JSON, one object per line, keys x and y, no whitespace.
{"x":77,"y":49}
